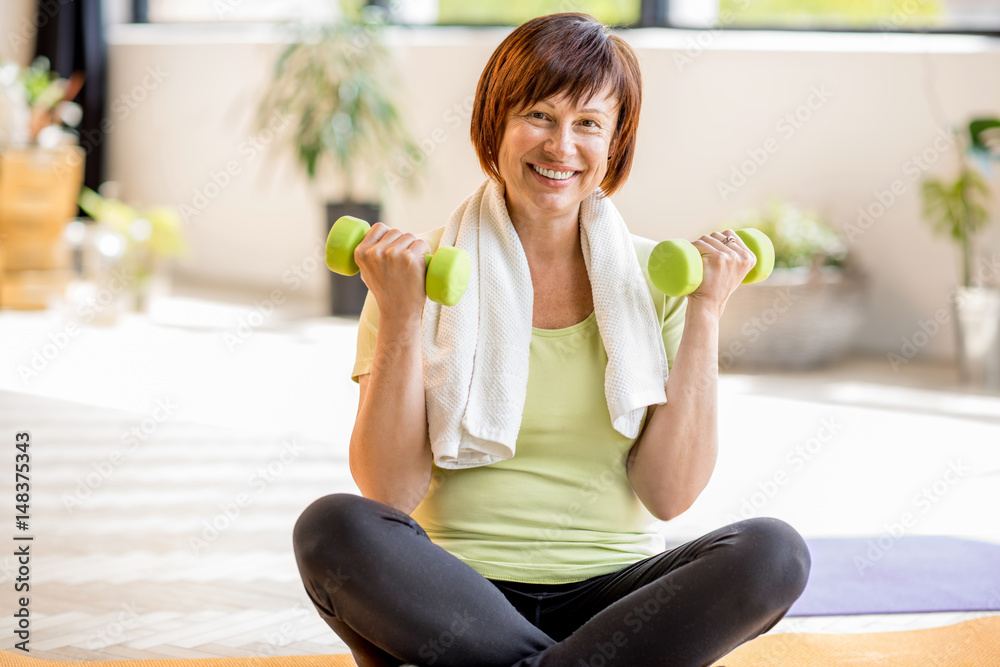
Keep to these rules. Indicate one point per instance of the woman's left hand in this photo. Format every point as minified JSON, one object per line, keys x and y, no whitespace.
{"x":725,"y":265}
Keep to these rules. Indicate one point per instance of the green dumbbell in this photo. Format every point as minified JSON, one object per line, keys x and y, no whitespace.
{"x":675,"y":266}
{"x":447,"y":269}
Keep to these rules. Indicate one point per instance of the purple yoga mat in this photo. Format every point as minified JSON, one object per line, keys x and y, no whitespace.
{"x":887,"y":575}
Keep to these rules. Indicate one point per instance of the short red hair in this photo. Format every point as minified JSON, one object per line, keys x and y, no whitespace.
{"x":568,"y":54}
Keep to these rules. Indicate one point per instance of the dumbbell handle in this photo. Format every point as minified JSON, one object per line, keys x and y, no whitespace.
{"x":447,"y":269}
{"x":676,"y":266}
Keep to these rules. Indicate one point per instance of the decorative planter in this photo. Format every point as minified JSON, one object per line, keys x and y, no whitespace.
{"x":38,"y":189}
{"x":347,"y":293}
{"x":149,"y":288}
{"x":977,"y":333}
{"x":796,"y":319}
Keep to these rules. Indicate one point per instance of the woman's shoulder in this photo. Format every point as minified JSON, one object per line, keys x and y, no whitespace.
{"x":643,"y":248}
{"x":667,"y":307}
{"x":432,"y":237}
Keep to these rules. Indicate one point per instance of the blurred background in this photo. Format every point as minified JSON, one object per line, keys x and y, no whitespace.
{"x":842,"y":112}
{"x":169,"y":170}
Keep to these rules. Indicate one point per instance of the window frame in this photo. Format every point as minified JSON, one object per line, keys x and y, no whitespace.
{"x":656,"y":14}
{"x":659,"y":13}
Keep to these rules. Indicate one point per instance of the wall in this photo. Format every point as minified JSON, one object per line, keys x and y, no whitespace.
{"x":17,"y":30}
{"x":183,"y":99}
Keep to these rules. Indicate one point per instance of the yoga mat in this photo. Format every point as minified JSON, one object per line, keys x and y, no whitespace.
{"x":886,"y":575}
{"x":974,"y":643}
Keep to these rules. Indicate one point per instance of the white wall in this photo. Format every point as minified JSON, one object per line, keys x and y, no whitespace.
{"x":17,"y":30}
{"x":709,"y":99}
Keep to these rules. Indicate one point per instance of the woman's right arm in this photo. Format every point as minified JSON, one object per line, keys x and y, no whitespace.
{"x":390,"y":451}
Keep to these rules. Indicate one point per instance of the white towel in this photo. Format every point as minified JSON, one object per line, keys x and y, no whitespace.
{"x":475,"y":353}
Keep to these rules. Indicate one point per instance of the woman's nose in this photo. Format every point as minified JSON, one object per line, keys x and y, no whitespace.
{"x":559,"y":143}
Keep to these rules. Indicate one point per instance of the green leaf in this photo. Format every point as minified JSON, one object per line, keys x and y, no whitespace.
{"x":977,"y":129}
{"x":798,"y":235}
{"x":337,"y":83}
{"x":90,"y":202}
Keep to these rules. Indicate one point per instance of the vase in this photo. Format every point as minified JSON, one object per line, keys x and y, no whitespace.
{"x":140,"y":294}
{"x":347,"y":293}
{"x":977,"y":332}
{"x":799,"y":318}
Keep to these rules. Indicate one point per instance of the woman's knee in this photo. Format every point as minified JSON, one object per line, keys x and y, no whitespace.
{"x":778,"y":559}
{"x":329,"y":530}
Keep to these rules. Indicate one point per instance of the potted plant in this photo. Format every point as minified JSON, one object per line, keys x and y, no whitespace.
{"x":807,"y":312}
{"x":41,"y":170}
{"x":150,"y":235}
{"x":335,"y":83}
{"x":959,"y":209}
{"x":36,"y":105}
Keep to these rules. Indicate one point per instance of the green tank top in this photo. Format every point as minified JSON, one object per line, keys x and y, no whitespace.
{"x":562,"y":508}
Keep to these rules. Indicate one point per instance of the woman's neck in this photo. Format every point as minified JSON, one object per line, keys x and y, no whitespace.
{"x":551,"y":241}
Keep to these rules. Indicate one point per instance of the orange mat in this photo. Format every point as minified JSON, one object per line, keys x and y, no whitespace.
{"x":974,"y":643}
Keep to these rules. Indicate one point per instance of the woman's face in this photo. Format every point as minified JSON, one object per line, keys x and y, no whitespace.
{"x":554,"y":154}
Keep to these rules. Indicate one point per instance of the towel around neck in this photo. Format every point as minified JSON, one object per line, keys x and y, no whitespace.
{"x":475,"y":353}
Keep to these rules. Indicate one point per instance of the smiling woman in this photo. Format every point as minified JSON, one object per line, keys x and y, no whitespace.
{"x":515,"y":450}
{"x":534,"y":65}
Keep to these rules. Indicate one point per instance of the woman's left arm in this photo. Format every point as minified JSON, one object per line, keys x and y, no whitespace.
{"x":673,"y":458}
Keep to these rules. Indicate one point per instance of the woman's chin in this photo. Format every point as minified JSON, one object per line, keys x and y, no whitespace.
{"x":555,"y":206}
{"x":556,"y":202}
{"x":548,"y":202}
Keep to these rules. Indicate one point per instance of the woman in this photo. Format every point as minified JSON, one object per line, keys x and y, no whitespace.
{"x":547,"y":555}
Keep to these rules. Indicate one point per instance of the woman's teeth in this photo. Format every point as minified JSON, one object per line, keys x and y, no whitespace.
{"x":554,"y":175}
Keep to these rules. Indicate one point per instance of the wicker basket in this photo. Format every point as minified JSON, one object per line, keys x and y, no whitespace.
{"x":796,"y":319}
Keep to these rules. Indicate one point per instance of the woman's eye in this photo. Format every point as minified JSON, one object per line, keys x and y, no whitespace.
{"x":537,"y":114}
{"x":589,"y":123}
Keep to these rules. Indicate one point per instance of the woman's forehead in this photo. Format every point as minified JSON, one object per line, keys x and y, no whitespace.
{"x":602,"y":101}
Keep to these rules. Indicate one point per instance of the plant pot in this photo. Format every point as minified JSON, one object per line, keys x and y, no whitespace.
{"x":796,"y":319}
{"x":150,"y":288}
{"x":977,"y":332}
{"x":347,"y":293}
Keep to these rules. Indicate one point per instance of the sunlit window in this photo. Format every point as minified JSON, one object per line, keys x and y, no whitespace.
{"x":907,"y":15}
{"x":515,"y":12}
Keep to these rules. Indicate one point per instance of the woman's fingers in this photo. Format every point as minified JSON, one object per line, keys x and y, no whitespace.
{"x":735,"y":248}
{"x":729,"y":240}
{"x":726,"y":264}
{"x":406,"y":241}
{"x":371,"y":239}
{"x":738,"y":246}
{"x":381,"y":242}
{"x":393,"y":267}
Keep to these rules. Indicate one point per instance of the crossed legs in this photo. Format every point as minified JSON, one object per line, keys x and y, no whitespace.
{"x":395,"y":597}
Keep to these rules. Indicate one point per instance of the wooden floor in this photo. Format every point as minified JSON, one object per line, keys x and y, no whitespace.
{"x":126,"y":562}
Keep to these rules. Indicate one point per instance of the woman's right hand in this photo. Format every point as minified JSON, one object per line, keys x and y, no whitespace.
{"x":394,"y":269}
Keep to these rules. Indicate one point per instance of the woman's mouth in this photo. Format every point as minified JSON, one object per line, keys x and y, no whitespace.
{"x":553,"y":175}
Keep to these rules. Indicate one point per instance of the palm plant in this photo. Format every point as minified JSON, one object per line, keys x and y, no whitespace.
{"x":958,"y":208}
{"x":335,"y":82}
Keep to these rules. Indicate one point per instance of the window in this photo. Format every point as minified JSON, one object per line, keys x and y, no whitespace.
{"x":867,"y":15}
{"x":971,"y":16}
{"x":215,"y":11}
{"x":515,"y":12}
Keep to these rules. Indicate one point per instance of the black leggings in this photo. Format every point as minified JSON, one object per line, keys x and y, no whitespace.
{"x":395,"y":597}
